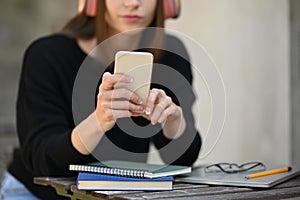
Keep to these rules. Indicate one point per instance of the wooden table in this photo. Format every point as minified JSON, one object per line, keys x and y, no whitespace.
{"x":66,"y":187}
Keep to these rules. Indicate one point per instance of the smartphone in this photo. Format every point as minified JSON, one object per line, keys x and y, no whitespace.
{"x":137,"y":65}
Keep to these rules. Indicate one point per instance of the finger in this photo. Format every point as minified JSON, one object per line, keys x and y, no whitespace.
{"x":109,"y":114}
{"x":109,"y":80}
{"x":159,"y":109}
{"x":124,"y":93}
{"x":120,"y":113}
{"x":145,"y":116}
{"x":152,"y":98}
{"x":123,"y":105}
{"x":120,"y":93}
{"x":104,"y":95}
{"x":169,"y":111}
{"x":137,"y":114}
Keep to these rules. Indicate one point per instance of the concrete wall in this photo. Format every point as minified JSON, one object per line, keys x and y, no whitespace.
{"x":249,"y":42}
{"x":21,"y":22}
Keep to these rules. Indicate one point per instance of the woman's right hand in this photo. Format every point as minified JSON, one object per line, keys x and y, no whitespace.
{"x":114,"y":103}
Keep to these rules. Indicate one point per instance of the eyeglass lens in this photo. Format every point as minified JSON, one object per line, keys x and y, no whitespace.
{"x":234,"y":168}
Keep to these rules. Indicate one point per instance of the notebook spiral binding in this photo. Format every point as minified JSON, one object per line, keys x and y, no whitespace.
{"x":111,"y":171}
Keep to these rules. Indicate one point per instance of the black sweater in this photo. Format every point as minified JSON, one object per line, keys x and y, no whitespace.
{"x":45,"y":118}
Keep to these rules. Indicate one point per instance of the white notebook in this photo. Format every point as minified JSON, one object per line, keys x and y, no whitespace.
{"x":198,"y":175}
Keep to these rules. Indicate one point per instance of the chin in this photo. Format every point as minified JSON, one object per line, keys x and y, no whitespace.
{"x":133,"y":30}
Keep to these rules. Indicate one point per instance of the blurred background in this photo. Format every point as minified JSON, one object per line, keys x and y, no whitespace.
{"x":255,"y":44}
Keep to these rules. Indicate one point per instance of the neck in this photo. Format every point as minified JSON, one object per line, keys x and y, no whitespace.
{"x":124,"y":41}
{"x":87,"y":45}
{"x":121,"y":42}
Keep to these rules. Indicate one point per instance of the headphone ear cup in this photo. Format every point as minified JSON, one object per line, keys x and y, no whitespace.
{"x":91,"y":8}
{"x":88,"y":7}
{"x":171,"y":8}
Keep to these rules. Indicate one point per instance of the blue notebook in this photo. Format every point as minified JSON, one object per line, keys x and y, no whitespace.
{"x":92,"y":181}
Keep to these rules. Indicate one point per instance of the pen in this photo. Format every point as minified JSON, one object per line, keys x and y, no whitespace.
{"x":269,"y":172}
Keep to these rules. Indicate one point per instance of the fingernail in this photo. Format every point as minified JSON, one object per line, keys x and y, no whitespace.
{"x":148,"y":111}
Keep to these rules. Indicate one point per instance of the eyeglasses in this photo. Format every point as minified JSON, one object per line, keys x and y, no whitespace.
{"x":231,"y":168}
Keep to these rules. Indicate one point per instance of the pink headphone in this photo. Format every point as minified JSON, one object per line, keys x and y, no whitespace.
{"x":89,"y":7}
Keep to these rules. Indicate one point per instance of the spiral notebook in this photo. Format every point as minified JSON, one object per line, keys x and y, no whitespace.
{"x":131,"y":169}
{"x":198,"y":175}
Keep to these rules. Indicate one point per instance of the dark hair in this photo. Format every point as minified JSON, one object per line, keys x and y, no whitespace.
{"x":82,"y":26}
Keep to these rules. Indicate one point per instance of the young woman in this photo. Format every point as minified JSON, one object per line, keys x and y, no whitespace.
{"x":49,"y":139}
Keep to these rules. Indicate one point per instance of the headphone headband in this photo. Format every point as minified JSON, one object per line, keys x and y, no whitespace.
{"x":89,"y":8}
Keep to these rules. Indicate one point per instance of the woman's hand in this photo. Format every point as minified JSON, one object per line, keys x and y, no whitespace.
{"x":161,"y":109}
{"x":114,"y":103}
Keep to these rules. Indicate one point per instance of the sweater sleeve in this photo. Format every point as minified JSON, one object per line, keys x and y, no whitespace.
{"x":44,"y":114}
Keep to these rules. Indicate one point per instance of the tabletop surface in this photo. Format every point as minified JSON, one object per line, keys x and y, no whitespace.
{"x":287,"y":190}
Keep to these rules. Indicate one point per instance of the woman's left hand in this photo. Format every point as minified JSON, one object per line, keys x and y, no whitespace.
{"x":160,"y":108}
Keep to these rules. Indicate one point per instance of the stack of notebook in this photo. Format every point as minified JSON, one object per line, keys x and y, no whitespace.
{"x":124,"y":175}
